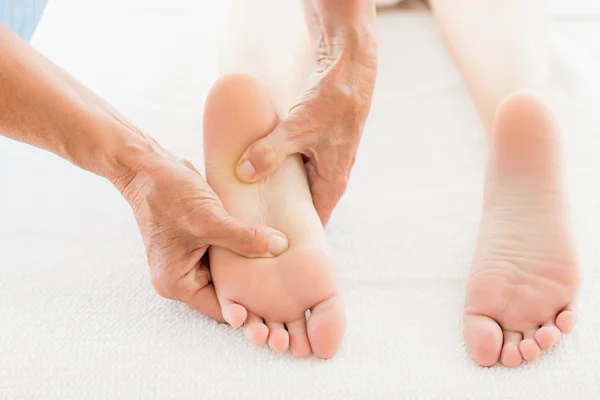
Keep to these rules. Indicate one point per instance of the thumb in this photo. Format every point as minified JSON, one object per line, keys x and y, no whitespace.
{"x":248,"y":240}
{"x":263,"y":157}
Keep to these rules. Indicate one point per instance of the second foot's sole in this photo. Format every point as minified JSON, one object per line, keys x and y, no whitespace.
{"x":525,"y":271}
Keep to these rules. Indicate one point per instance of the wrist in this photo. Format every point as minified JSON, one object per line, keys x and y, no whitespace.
{"x":129,"y":153}
{"x":344,"y":35}
{"x":353,"y":72}
{"x":348,"y":24}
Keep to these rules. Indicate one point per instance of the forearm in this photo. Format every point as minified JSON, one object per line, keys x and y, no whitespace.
{"x":42,"y":105}
{"x":344,"y":29}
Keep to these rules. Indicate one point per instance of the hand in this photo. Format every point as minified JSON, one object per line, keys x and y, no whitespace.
{"x":326,"y":123}
{"x":179,"y":217}
{"x":178,"y":214}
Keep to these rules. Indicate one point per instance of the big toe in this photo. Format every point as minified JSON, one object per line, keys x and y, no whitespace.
{"x":483,"y":337}
{"x":326,"y":327}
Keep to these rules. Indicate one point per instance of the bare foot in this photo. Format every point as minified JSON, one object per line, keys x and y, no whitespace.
{"x":269,"y":296}
{"x":525,"y":273}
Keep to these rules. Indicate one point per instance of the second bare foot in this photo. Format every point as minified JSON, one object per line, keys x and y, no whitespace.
{"x":525,"y":272}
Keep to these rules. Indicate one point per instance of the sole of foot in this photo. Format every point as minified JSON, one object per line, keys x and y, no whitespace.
{"x":269,"y":296}
{"x":525,"y":273}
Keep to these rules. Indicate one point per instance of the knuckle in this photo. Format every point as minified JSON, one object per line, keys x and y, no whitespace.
{"x":207,"y":223}
{"x":160,"y":286}
{"x":299,"y":128}
{"x":264,"y":156}
{"x":248,"y":239}
{"x":187,"y":164}
{"x":182,"y":289}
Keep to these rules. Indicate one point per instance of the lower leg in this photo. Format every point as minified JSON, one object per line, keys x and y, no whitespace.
{"x":524,"y":276}
{"x":499,"y":46}
{"x":267,"y":39}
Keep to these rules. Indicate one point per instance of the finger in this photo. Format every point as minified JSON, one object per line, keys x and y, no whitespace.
{"x":326,"y":195}
{"x":263,"y":157}
{"x":195,"y":290}
{"x":205,"y":302}
{"x":248,"y":240}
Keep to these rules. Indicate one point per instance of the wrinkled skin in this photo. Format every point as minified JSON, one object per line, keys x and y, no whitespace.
{"x":179,"y":217}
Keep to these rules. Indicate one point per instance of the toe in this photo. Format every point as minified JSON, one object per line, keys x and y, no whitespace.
{"x":279,"y":340}
{"x":530,"y":350}
{"x":233,"y":313}
{"x":299,"y":345}
{"x":256,"y":330}
{"x":511,"y":355}
{"x":547,"y":336}
{"x":565,"y":321}
{"x":483,"y":337}
{"x":326,"y":327}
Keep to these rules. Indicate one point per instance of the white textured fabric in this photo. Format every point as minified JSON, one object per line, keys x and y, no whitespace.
{"x":80,"y":320}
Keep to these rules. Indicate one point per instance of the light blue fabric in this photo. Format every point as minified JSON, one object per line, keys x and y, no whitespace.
{"x":21,"y":16}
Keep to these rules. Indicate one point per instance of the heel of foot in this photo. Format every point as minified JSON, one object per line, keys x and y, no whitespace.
{"x":238,"y":111}
{"x":524,"y":111}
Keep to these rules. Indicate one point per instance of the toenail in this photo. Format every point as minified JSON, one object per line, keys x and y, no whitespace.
{"x":246,"y":170}
{"x":277,"y":245}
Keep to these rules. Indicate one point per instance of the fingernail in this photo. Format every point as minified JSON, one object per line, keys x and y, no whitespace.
{"x":246,"y":170}
{"x":277,"y":245}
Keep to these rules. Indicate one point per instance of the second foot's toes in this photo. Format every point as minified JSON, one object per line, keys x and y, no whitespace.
{"x":279,"y":340}
{"x":326,"y":327}
{"x":547,"y":336}
{"x":299,"y":345}
{"x":483,"y":337}
{"x":256,"y":330}
{"x":511,"y":355}
{"x":565,"y":321}
{"x":529,"y":348}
